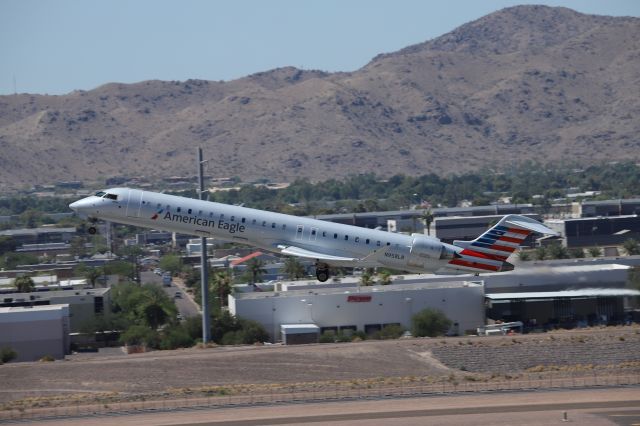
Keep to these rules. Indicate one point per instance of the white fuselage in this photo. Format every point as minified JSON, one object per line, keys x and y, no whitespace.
{"x":264,"y":229}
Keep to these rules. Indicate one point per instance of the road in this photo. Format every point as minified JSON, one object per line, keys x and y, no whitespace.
{"x":589,"y":407}
{"x":185,"y":304}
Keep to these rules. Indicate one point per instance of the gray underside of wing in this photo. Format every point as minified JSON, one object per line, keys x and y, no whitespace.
{"x":300,"y":252}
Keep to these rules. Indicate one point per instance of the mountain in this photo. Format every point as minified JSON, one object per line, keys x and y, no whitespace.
{"x":527,"y":82}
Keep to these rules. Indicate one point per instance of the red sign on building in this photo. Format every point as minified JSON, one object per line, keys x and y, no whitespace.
{"x":358,"y":298}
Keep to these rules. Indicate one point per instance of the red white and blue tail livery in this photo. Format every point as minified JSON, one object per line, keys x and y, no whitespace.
{"x":489,"y":252}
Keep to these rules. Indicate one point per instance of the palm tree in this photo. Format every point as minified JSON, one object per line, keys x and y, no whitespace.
{"x":255,"y":269}
{"x":24,"y":284}
{"x":222,"y":285}
{"x":427,"y":216}
{"x":293,"y":268}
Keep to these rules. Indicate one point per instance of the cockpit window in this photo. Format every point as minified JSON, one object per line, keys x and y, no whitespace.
{"x":111,"y":196}
{"x":100,"y":194}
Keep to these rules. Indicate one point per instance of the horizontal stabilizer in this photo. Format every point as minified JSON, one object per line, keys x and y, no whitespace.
{"x":530,"y":224}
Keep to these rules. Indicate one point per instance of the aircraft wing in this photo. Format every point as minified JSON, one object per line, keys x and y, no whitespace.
{"x":300,"y":252}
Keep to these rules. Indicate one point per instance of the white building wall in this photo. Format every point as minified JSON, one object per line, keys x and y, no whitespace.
{"x":464,"y":305}
{"x":35,"y":332}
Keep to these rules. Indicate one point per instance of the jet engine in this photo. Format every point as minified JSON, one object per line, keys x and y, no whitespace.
{"x":431,"y":248}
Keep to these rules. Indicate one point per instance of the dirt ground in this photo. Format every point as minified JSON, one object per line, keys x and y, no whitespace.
{"x":602,"y":350}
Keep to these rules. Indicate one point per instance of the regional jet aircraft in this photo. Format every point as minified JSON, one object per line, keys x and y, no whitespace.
{"x":327,"y":243}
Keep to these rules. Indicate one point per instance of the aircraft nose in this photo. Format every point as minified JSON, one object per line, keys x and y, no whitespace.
{"x":81,"y":205}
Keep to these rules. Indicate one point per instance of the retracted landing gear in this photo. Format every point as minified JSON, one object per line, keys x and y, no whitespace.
{"x":322,"y":272}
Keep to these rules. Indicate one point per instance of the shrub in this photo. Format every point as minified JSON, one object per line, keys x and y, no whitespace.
{"x":176,"y":337}
{"x":47,"y":358}
{"x":328,"y":337}
{"x":391,"y":331}
{"x":140,"y":335}
{"x":430,"y":322}
{"x":7,"y":354}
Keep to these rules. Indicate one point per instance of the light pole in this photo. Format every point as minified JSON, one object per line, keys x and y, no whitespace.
{"x":204,"y":269}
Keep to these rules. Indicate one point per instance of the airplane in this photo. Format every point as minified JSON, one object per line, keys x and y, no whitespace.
{"x":328,"y":244}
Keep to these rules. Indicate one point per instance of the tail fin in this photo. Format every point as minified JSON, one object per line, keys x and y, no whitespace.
{"x":504,"y":238}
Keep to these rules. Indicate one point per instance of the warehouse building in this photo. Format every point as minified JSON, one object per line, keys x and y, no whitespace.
{"x":366,"y":309}
{"x":601,"y":231}
{"x":83,"y":305}
{"x":35,"y":331}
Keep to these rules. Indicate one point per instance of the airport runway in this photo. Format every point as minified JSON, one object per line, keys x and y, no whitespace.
{"x":582,"y":407}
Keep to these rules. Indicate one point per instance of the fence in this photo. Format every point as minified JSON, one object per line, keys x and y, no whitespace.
{"x":339,"y":391}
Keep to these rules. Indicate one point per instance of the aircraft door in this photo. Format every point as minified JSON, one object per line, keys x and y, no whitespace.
{"x":134,"y":204}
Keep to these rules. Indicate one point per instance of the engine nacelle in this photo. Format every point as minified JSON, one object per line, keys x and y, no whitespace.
{"x":430,"y":248}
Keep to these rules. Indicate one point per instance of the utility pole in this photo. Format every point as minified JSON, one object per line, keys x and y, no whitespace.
{"x":204,"y":267}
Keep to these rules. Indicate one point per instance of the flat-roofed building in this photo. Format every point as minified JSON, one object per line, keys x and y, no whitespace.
{"x":83,"y":304}
{"x":45,"y":234}
{"x":601,"y":231}
{"x":366,"y":309}
{"x":611,"y":208}
{"x":35,"y":331}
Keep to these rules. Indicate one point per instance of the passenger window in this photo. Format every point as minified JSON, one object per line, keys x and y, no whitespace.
{"x":179,"y":208}
{"x":378,"y":243}
{"x":324,"y":233}
{"x":264,"y":223}
{"x":335,"y":236}
{"x":243,"y":220}
{"x":284,"y":226}
{"x":313,"y":232}
{"x":366,"y":241}
{"x":388,"y":244}
{"x":189,"y":212}
{"x":346,"y":237}
{"x":200,"y":213}
{"x":233,"y":218}
{"x":210,"y":214}
{"x":253,"y":222}
{"x":168,"y":207}
{"x":273,"y":225}
{"x":357,"y":239}
{"x":221,"y":216}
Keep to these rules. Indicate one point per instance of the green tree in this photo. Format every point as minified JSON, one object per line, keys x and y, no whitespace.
{"x":140,"y":335}
{"x":540,"y":253}
{"x":524,"y":256}
{"x":7,"y":354}
{"x":293,"y":268}
{"x":171,"y":263}
{"x":367,"y":278}
{"x":594,"y":251}
{"x":222,"y":285}
{"x":391,"y":331}
{"x":7,"y":244}
{"x":427,"y":217}
{"x":255,"y":270}
{"x":385,"y":278}
{"x":92,"y":275}
{"x":557,"y":251}
{"x":24,"y":284}
{"x":576,"y":253}
{"x":631,"y":247}
{"x":430,"y":322}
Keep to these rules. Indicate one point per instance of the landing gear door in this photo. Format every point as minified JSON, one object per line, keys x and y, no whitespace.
{"x":134,"y":203}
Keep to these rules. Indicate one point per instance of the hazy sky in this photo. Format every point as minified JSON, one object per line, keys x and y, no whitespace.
{"x":56,"y":46}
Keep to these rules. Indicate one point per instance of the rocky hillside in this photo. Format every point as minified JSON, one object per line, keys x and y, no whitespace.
{"x":528,"y":82}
